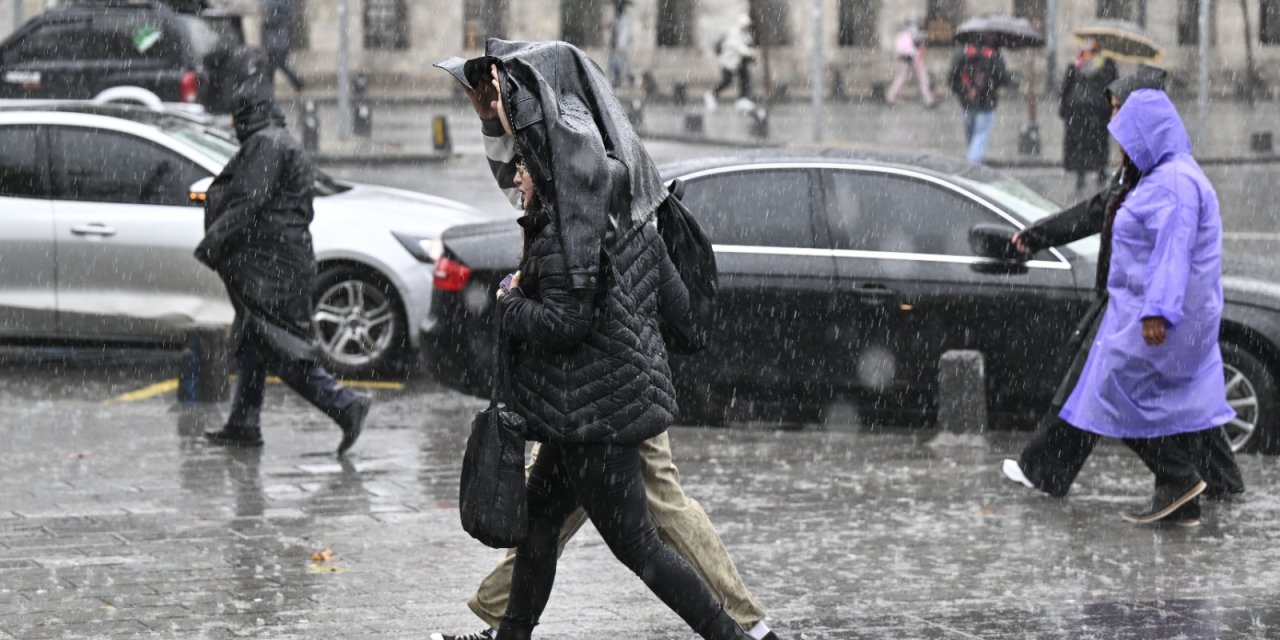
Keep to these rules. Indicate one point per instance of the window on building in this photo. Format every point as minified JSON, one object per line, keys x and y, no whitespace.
{"x":675,"y":23}
{"x":772,"y":20}
{"x":386,"y":24}
{"x":1189,"y":23}
{"x":483,"y":19}
{"x":941,"y":19}
{"x":1269,"y":22}
{"x":582,"y":23}
{"x":1033,"y":10}
{"x":1118,"y":9}
{"x":859,"y":23}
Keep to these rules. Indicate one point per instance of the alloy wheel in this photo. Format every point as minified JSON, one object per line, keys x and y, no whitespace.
{"x":1242,"y":397}
{"x":355,"y":322}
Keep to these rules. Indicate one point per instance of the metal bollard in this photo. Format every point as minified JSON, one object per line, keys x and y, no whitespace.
{"x":693,"y":123}
{"x":310,"y":127}
{"x":962,"y":392}
{"x":362,"y":115}
{"x":440,"y":134}
{"x":760,"y":123}
{"x":203,"y":377}
{"x":1260,"y":142}
{"x":1029,"y":140}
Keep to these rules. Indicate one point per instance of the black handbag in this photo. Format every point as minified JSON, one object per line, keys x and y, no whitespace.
{"x":491,"y":491}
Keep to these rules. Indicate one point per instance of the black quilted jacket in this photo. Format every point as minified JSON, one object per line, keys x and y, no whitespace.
{"x":592,"y":369}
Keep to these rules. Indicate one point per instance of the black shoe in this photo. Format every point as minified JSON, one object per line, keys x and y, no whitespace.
{"x":1166,"y":500}
{"x":236,"y":436}
{"x":487,"y":634}
{"x":771,"y":635}
{"x":1188,"y":515}
{"x":351,"y":419}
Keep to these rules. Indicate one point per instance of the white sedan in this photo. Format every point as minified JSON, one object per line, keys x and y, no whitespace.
{"x":101,"y":213}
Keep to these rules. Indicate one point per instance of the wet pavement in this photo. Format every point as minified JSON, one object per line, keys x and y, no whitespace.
{"x":117,"y":521}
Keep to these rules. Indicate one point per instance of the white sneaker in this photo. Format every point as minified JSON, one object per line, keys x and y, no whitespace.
{"x":709,"y":101}
{"x":744,"y":104}
{"x":1014,"y":473}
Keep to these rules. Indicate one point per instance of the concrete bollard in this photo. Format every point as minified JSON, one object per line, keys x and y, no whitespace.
{"x":1260,"y":142}
{"x":362,"y":114}
{"x":203,"y":377}
{"x":962,"y":392}
{"x":310,"y":127}
{"x":693,"y":123}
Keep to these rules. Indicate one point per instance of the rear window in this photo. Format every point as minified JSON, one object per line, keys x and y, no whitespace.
{"x":212,"y":33}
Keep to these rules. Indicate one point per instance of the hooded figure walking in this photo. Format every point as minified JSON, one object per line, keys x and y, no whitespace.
{"x":1124,"y":380}
{"x":257,"y":238}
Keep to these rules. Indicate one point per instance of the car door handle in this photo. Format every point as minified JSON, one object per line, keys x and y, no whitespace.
{"x":95,"y":229}
{"x":874,"y":294}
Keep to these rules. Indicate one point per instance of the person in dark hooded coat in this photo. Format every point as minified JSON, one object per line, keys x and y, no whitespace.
{"x":589,"y":367}
{"x":257,"y":238}
{"x":1057,"y":451}
{"x":1085,"y":110}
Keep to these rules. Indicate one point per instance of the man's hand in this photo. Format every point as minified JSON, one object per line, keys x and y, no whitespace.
{"x":1020,"y":244}
{"x":482,"y":99}
{"x":1153,"y":331}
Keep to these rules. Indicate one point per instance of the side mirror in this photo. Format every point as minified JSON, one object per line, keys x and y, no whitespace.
{"x":199,"y":190}
{"x":995,"y":241}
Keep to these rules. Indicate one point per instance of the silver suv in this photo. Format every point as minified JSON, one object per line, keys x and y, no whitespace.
{"x":100,"y":213}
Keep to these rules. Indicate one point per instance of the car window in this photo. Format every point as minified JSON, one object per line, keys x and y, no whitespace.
{"x":767,"y":208}
{"x":103,"y":166}
{"x":60,"y":40}
{"x":870,"y":211}
{"x":132,"y":38}
{"x":19,"y":171}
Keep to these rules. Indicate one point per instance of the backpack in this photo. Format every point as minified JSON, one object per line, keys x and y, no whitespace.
{"x":977,"y":74}
{"x":691,"y":252}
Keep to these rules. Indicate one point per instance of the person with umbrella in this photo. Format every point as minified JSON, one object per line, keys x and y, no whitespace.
{"x":1057,"y":451}
{"x":1085,"y":110}
{"x":977,"y":73}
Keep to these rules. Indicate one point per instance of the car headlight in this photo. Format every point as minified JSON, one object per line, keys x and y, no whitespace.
{"x":424,"y":249}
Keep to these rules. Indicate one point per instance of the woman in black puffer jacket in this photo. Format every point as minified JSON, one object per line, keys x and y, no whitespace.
{"x":590,"y":377}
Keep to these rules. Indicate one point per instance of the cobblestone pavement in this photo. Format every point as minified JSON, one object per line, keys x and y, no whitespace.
{"x":116,"y":521}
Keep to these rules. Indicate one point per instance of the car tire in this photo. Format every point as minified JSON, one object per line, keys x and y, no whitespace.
{"x":1252,"y":392}
{"x":359,"y":322}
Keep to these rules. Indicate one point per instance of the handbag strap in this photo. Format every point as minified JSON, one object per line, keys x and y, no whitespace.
{"x":501,"y":376}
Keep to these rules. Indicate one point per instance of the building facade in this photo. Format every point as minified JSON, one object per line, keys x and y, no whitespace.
{"x":394,"y":42}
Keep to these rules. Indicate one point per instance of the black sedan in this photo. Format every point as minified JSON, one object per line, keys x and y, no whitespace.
{"x":845,"y":276}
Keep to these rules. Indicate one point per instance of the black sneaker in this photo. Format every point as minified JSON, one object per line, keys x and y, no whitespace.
{"x":771,"y":635}
{"x":1187,"y":516}
{"x":1166,"y":500}
{"x":487,"y":634}
{"x":236,"y":436}
{"x":352,"y":421}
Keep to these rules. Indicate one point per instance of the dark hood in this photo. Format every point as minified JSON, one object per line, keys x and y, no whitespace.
{"x":253,"y":97}
{"x":580,"y":147}
{"x":1146,"y":77}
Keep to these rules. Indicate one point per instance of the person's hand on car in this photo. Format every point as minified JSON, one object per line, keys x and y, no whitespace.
{"x":1020,"y":243}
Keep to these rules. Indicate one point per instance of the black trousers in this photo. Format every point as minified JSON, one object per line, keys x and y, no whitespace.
{"x":606,"y":480}
{"x":744,"y":80}
{"x":307,"y":378}
{"x":1057,"y":451}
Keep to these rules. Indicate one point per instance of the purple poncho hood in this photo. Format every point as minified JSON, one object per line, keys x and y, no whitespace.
{"x":1166,"y":261}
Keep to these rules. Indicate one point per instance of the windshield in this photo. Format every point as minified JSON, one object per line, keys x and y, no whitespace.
{"x":1027,"y":204}
{"x":221,"y":148}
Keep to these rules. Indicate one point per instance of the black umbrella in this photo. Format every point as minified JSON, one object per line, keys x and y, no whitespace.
{"x":1006,"y":32}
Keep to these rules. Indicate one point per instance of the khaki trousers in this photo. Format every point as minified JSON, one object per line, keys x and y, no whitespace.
{"x":682,"y":524}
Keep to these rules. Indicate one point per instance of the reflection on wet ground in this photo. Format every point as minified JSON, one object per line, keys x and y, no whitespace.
{"x":116,"y":520}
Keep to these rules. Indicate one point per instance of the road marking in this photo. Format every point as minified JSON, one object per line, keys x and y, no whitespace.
{"x":1250,"y":235}
{"x":171,"y":385}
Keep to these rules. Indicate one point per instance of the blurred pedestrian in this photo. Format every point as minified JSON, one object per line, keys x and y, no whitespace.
{"x":257,"y":214}
{"x":591,"y":413}
{"x":1057,"y":451}
{"x":1085,"y":111}
{"x":620,"y":44}
{"x":277,"y":39}
{"x":908,"y":47}
{"x":735,"y":52}
{"x":977,"y":73}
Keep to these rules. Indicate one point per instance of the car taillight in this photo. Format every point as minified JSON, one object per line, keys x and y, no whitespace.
{"x":451,"y":275}
{"x":190,"y":91}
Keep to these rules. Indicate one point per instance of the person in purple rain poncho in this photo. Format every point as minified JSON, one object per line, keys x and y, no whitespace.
{"x":1154,"y":374}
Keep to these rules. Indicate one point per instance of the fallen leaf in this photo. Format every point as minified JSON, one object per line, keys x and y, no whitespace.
{"x":326,"y":568}
{"x":323,"y":556}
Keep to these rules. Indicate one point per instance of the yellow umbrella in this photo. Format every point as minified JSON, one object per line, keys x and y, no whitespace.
{"x":1121,"y":40}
